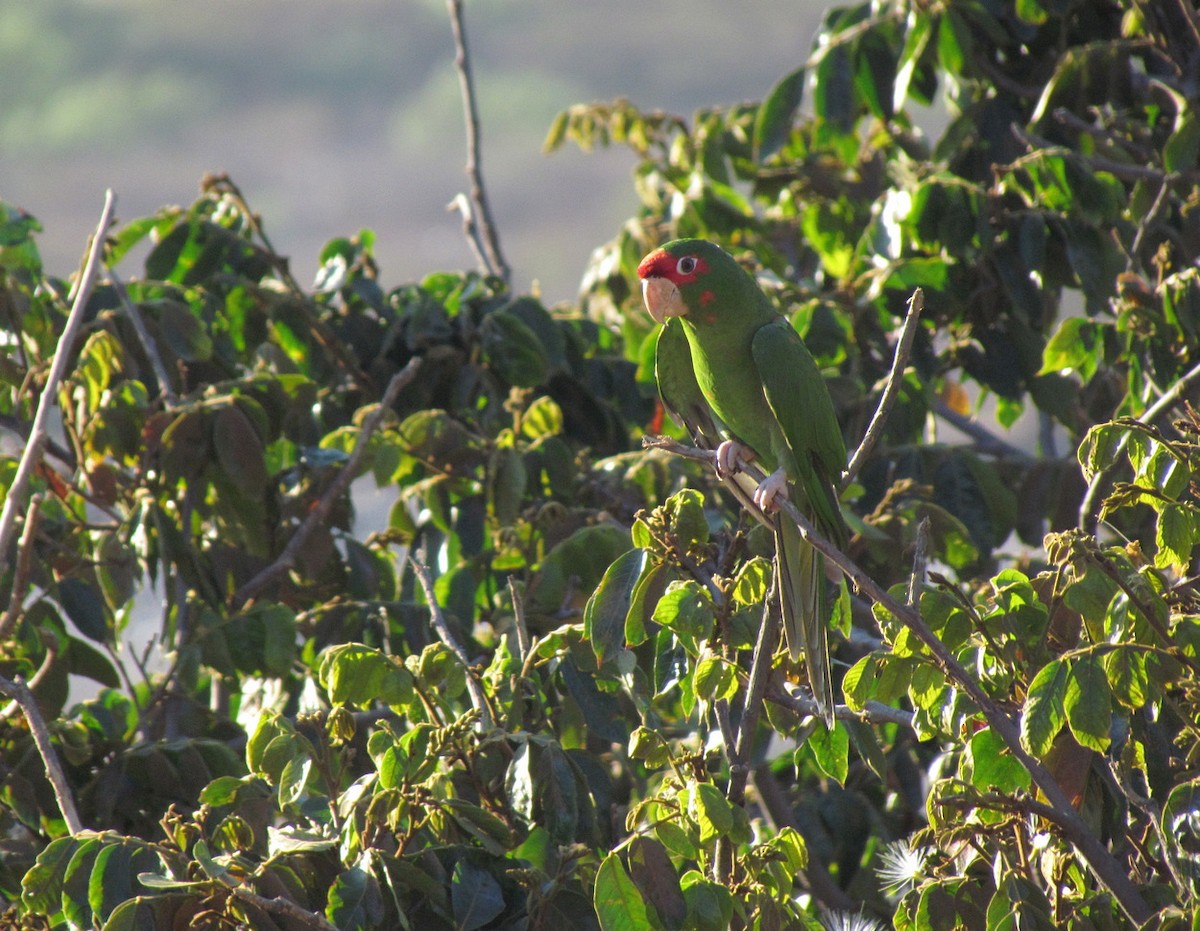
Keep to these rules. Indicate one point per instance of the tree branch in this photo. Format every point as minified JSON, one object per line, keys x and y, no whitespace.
{"x":14,"y":501}
{"x":986,"y":441}
{"x":147,"y":341}
{"x":891,"y":390}
{"x":1102,"y":863}
{"x":19,"y":692}
{"x":20,"y":584}
{"x":478,"y":698}
{"x":478,"y":220}
{"x":318,"y":516}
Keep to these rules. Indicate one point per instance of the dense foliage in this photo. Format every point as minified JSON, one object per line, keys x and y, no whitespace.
{"x":570,"y":739}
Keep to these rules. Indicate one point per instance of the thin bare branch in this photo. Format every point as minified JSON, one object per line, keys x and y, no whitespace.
{"x":14,"y":501}
{"x":920,"y":563}
{"x":874,"y":712}
{"x":319,"y":515}
{"x":985,"y":441}
{"x":18,"y":691}
{"x":283,"y":908}
{"x":147,"y":341}
{"x":20,"y":585}
{"x":524,"y":645}
{"x":478,"y":698}
{"x":891,"y":389}
{"x":483,"y":228}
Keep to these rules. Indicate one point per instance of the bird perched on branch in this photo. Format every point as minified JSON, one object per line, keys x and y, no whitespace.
{"x":736,"y":374}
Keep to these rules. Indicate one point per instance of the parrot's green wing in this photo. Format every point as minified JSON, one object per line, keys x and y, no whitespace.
{"x":684,"y":401}
{"x":800,"y":403}
{"x":798,"y":398}
{"x":677,"y":387}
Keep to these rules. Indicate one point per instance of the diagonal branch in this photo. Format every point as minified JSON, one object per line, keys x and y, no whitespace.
{"x":18,"y":691}
{"x":478,"y":697}
{"x":14,"y":501}
{"x":481,"y":228}
{"x":891,"y":390}
{"x":319,"y":515}
{"x":1103,"y":864}
{"x":148,"y":345}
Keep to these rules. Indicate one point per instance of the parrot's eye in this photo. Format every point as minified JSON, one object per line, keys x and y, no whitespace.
{"x":686,"y":265}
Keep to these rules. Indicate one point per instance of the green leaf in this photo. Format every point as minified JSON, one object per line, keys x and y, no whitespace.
{"x":1076,"y":346}
{"x":831,"y":751}
{"x":1044,"y":714}
{"x":776,"y":115}
{"x":710,"y":905}
{"x":41,"y":886}
{"x":506,"y":483}
{"x":655,"y":875}
{"x":493,"y":834}
{"x":685,"y":512}
{"x":606,"y":610}
{"x":992,"y":765}
{"x":475,"y":896}
{"x":240,"y":451}
{"x":1176,"y":535}
{"x":618,"y":902}
{"x":1128,"y":676}
{"x":710,"y":810}
{"x":1183,"y":147}
{"x":919,"y":33}
{"x":1088,"y":703}
{"x":355,"y":900}
{"x":183,"y":332}
{"x":512,"y":350}
{"x":542,"y":418}
{"x":687,"y":609}
{"x":715,"y":679}
{"x":84,"y":605}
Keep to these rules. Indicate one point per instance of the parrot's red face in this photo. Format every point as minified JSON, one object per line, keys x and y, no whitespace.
{"x":664,"y":275}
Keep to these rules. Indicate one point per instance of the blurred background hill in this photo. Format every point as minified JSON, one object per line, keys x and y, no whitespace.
{"x":333,"y":116}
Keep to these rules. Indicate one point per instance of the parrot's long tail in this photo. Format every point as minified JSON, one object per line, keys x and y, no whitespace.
{"x":806,"y":610}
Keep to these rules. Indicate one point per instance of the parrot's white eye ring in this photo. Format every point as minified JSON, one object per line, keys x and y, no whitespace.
{"x":686,"y":265}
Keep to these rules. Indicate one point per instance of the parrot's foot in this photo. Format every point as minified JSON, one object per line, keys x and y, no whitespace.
{"x":770,"y":490}
{"x":728,"y":455}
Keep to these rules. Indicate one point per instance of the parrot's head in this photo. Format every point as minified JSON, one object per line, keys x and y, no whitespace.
{"x":684,"y":279}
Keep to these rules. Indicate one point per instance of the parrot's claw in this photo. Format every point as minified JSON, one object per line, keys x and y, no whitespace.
{"x":728,"y":455}
{"x":770,"y":490}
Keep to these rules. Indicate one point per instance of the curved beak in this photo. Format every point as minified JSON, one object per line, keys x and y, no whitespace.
{"x":662,"y":298}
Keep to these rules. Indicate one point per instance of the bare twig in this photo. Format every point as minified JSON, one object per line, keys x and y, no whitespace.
{"x":483,"y":229}
{"x":523,"y":643}
{"x":985,"y":441}
{"x":283,"y":908}
{"x":756,"y":686}
{"x":14,"y":502}
{"x":1089,"y":510}
{"x":320,"y":513}
{"x":1103,"y":864}
{"x":147,"y":341}
{"x":48,"y":661}
{"x":19,"y":692}
{"x":874,"y":712}
{"x":20,"y":585}
{"x":920,"y":563}
{"x":478,"y":698}
{"x":891,"y":390}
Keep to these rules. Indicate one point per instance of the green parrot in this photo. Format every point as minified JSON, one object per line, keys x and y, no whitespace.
{"x":737,"y":375}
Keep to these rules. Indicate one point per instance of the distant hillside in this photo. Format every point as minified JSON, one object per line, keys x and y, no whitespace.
{"x":334,"y":116}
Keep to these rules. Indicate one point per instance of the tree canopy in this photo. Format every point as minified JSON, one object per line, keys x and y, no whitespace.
{"x":547,"y":690}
